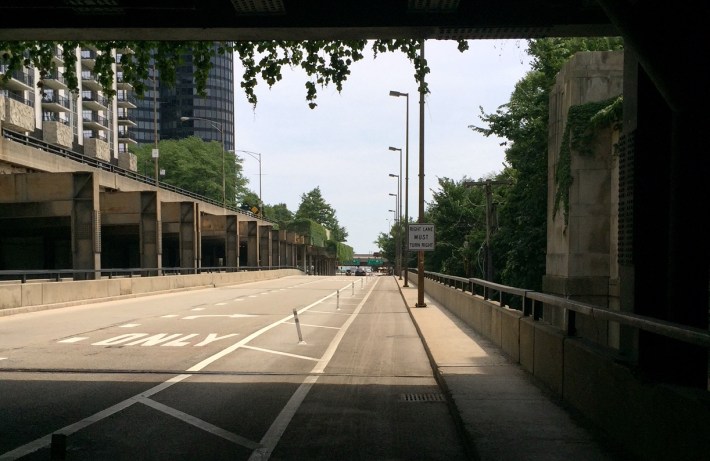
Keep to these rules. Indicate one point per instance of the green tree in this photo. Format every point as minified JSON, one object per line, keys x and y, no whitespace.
{"x":519,"y":247}
{"x":279,"y":213}
{"x":196,"y":166}
{"x":323,"y":62}
{"x":314,"y":207}
{"x":458,"y":214}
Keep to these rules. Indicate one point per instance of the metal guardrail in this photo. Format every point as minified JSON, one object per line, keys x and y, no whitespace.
{"x":58,"y":275}
{"x":531,"y":304}
{"x":106,"y":166}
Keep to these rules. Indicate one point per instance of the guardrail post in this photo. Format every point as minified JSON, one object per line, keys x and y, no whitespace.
{"x":337,"y":305}
{"x":353,"y":286}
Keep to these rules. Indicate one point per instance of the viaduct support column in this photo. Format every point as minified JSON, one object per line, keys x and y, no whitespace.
{"x":150,"y":232}
{"x":189,"y":236}
{"x":232,"y":241}
{"x":86,"y":225}
{"x":265,"y":246}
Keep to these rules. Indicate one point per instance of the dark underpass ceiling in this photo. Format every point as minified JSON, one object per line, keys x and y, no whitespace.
{"x":300,"y":19}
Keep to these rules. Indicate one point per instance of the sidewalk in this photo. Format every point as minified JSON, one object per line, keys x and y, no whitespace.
{"x":503,"y":413}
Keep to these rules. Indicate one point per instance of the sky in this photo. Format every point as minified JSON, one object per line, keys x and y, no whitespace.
{"x":342,"y":146}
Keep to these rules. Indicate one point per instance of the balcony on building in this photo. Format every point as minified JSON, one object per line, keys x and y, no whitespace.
{"x":54,"y":80}
{"x":126,"y":100}
{"x":124,"y":135}
{"x":121,"y":83}
{"x":123,"y":118}
{"x":88,"y":58}
{"x":94,"y":121}
{"x":90,"y":81}
{"x":53,"y":101}
{"x":20,"y":80}
{"x":96,"y":144}
{"x":58,"y":56}
{"x":17,"y":111}
{"x":93,"y":100}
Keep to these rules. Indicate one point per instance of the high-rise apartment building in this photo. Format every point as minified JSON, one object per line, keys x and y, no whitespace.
{"x":90,"y":123}
{"x":87,"y":122}
{"x":212,"y":115}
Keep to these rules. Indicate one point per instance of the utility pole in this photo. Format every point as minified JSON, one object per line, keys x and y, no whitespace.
{"x":489,"y":218}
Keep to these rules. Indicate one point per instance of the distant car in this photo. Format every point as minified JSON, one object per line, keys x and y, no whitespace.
{"x":360,"y":272}
{"x":348,"y":272}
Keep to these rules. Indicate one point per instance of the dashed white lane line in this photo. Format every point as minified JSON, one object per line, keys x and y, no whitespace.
{"x":3,"y":358}
{"x":238,"y":299}
{"x":270,"y":351}
{"x":169,"y":316}
{"x":198,"y":309}
{"x":75,"y":339}
{"x":279,"y":425}
{"x":221,"y":304}
{"x":315,"y":326}
{"x":253,"y":296}
{"x":130,"y":325}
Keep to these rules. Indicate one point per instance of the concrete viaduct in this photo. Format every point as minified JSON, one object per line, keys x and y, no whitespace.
{"x":57,"y":212}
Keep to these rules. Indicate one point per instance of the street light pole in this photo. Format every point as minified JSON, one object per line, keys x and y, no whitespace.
{"x":399,"y":191}
{"x":397,"y":239}
{"x":220,"y":128}
{"x":257,"y":156}
{"x":406,"y":190}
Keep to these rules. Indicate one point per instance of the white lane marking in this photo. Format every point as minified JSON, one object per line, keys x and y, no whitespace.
{"x":212,"y":337}
{"x":3,"y":358}
{"x":270,"y":351}
{"x":278,"y":427}
{"x":256,"y":334}
{"x":238,"y":299}
{"x":234,"y":316}
{"x":161,"y":339}
{"x":169,"y":316}
{"x":221,"y":304}
{"x":329,"y":312}
{"x":204,"y":425}
{"x":315,"y":326}
{"x":264,"y":293}
{"x":45,"y":441}
{"x":130,"y":325}
{"x":198,"y":309}
{"x":75,"y":339}
{"x":253,"y":296}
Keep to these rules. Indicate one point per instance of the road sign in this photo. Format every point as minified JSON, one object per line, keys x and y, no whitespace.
{"x":421,"y":237}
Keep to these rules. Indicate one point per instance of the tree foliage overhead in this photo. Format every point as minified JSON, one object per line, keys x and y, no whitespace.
{"x":324,"y":62}
{"x":313,"y":206}
{"x":195,"y":165}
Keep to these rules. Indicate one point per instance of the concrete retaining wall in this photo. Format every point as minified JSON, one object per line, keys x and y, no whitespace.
{"x":32,"y":296}
{"x":651,"y":420}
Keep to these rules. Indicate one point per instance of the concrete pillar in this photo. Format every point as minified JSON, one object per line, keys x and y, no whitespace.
{"x":252,"y":243}
{"x":265,"y":246}
{"x":189,"y":237}
{"x":86,"y":225}
{"x":232,"y":241}
{"x":150,"y":231}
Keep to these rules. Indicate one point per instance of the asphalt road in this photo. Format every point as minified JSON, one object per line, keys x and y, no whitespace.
{"x":316,"y":368}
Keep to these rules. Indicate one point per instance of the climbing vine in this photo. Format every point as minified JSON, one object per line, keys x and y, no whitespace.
{"x":582,"y":123}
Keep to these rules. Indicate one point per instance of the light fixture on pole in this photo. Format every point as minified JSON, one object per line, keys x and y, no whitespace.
{"x":220,"y":128}
{"x":397,"y":258}
{"x":256,"y":156}
{"x":399,"y":191}
{"x":398,"y":94}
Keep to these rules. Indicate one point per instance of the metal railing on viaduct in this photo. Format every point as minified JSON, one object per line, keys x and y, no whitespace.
{"x":587,"y":356}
